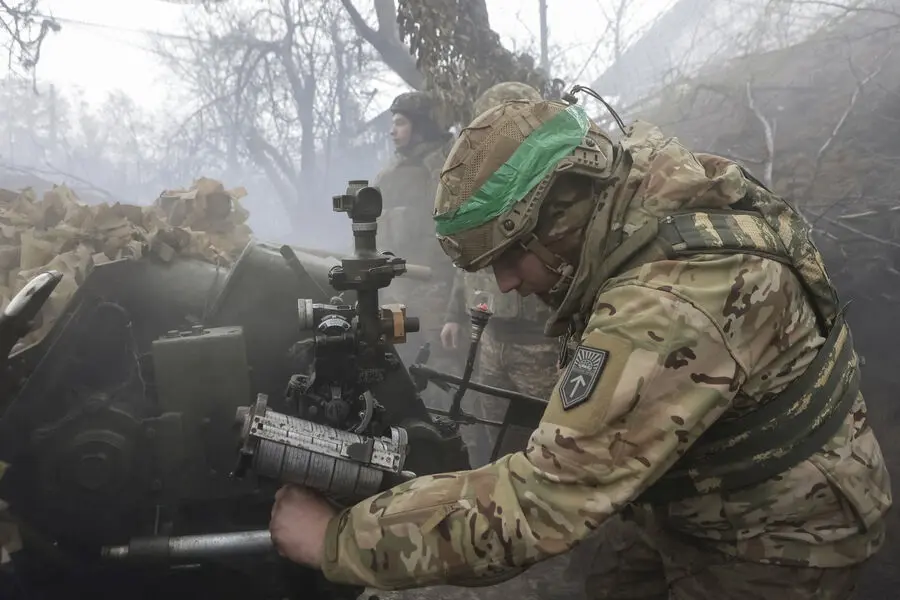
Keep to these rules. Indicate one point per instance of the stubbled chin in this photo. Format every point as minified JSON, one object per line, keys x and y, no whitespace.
{"x":545,"y":298}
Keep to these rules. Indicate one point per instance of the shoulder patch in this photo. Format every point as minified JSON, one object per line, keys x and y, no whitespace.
{"x":582,"y":375}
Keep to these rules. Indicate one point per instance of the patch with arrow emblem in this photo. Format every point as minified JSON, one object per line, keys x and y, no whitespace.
{"x":581,"y":376}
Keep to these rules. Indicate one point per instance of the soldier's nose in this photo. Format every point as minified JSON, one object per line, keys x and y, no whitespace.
{"x":507,"y":280}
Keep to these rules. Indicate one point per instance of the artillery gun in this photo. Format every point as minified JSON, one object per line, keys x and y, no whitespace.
{"x":143,"y":438}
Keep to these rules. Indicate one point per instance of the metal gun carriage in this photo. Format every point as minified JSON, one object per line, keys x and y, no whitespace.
{"x":145,"y":435}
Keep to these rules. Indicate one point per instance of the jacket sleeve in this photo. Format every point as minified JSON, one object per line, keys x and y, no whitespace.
{"x":456,"y":301}
{"x":658,"y":372}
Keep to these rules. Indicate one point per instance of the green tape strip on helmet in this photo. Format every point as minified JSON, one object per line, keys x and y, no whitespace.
{"x":531,"y":162}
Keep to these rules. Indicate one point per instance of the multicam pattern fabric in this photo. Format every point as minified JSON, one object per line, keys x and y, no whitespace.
{"x":688,"y":342}
{"x":627,"y":561}
{"x":513,"y":354}
{"x":505,"y":92}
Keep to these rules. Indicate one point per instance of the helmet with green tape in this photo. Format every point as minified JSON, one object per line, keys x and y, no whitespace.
{"x":502,"y":169}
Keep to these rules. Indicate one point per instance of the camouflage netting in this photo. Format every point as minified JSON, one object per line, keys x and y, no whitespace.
{"x":459,"y":54}
{"x":59,"y":232}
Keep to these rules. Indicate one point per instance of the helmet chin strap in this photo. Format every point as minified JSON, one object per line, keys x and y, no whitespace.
{"x":553,"y":263}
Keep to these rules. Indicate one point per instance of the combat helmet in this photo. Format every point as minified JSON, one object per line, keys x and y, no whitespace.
{"x":501,"y":170}
{"x":504,"y":92}
{"x":414,"y":105}
{"x":422,"y":111}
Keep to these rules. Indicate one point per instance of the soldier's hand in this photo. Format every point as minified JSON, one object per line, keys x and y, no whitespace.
{"x":299,"y":520}
{"x":450,"y":335}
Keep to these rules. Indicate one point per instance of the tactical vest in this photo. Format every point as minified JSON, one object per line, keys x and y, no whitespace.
{"x":504,"y":306}
{"x":749,"y":449}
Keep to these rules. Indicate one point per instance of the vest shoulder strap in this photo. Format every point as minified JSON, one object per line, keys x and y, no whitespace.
{"x":708,"y":232}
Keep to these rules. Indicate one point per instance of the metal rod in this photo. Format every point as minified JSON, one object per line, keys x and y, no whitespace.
{"x":209,"y":546}
{"x":466,"y":418}
{"x":430,"y":373}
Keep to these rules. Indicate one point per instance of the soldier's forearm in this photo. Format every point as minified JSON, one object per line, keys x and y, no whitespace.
{"x":473,"y":528}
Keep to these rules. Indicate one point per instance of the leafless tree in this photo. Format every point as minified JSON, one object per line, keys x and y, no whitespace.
{"x":813,"y":113}
{"x":22,"y":32}
{"x":282,"y":86}
{"x":114,"y":151}
{"x":385,"y":38}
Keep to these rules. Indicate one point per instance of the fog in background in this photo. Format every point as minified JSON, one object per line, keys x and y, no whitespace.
{"x":133,"y":97}
{"x":288,"y":99}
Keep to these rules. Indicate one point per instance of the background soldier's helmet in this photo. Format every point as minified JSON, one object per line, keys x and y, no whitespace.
{"x":493,"y":185}
{"x":414,"y":106}
{"x":504,"y":92}
{"x":422,"y":111}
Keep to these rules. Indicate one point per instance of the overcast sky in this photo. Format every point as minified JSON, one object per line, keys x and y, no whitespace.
{"x":103,"y":45}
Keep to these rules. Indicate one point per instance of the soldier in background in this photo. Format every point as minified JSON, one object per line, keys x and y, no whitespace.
{"x":408,"y":185}
{"x":514,"y":353}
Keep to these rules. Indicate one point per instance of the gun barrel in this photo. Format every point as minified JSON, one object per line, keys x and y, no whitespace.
{"x":209,"y":546}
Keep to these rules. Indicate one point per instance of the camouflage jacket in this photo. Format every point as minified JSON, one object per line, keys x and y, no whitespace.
{"x":686,"y":343}
{"x":408,"y":185}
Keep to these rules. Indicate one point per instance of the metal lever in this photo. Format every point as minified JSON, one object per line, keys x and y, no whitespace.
{"x":18,"y":316}
{"x":480,"y":314}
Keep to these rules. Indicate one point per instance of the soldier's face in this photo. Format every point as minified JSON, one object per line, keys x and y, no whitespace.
{"x":520,"y":270}
{"x":401,"y":130}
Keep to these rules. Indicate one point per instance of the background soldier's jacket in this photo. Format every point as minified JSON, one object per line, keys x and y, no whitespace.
{"x":514,"y":318}
{"x":689,"y":342}
{"x":408,"y":186}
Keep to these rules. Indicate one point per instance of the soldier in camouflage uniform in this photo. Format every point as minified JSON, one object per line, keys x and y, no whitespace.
{"x":407,"y":186}
{"x":514,"y":353}
{"x":709,"y":408}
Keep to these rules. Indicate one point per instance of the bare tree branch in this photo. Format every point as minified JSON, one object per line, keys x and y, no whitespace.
{"x":281,"y":85}
{"x":52,"y":171}
{"x":769,"y":130}
{"x":868,"y":213}
{"x":860,"y":84}
{"x":861,"y":233}
{"x":386,"y":40}
{"x":25,"y":31}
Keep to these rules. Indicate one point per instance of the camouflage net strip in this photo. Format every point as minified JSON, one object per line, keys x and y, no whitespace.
{"x":58,"y":231}
{"x":458,"y":53}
